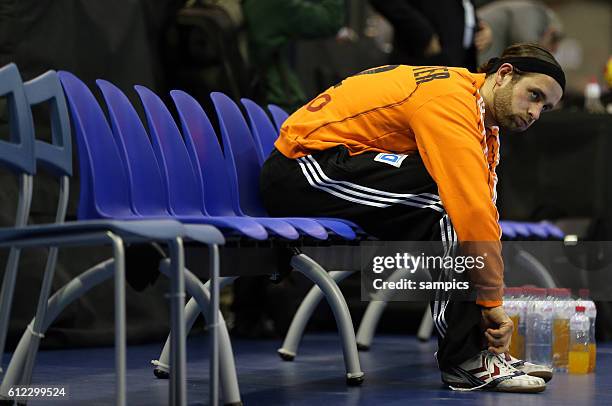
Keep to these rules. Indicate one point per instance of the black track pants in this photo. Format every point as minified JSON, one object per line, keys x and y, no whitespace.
{"x":393,"y":198}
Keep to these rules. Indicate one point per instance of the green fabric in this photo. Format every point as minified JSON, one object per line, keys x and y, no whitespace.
{"x":271,"y":26}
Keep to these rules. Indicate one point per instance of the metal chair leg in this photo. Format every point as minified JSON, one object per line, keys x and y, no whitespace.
{"x":60,"y":300}
{"x":200,"y":302}
{"x":288,"y":350}
{"x":318,"y":275}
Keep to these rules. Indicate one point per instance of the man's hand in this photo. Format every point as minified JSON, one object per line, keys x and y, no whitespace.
{"x":483,"y":37}
{"x":499,"y":329}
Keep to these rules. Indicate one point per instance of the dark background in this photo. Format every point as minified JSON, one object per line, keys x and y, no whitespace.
{"x":559,"y":170}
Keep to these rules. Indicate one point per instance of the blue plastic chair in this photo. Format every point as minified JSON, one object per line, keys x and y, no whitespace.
{"x":508,"y":231}
{"x":56,"y":158}
{"x":264,"y":137}
{"x":17,"y":155}
{"x":150,"y":196}
{"x":554,"y":232}
{"x":264,"y":133}
{"x":179,"y":171}
{"x":522,"y":232}
{"x":278,"y":115}
{"x":538,"y":231}
{"x":244,"y":168}
{"x":204,"y":146}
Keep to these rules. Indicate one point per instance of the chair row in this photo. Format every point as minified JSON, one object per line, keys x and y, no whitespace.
{"x":167,"y":183}
{"x":23,"y":155}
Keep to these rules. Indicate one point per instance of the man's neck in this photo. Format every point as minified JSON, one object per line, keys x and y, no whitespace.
{"x":486,"y":92}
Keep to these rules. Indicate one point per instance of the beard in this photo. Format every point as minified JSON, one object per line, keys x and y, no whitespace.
{"x":502,"y":109}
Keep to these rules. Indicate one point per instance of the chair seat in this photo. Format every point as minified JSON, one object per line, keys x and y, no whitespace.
{"x":537,"y":230}
{"x":307,"y":226}
{"x":135,"y":229}
{"x":515,"y":230}
{"x":277,"y":226}
{"x":242,"y":225}
{"x":339,"y":227}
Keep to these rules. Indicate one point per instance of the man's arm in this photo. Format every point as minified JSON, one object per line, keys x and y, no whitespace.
{"x":451,"y":145}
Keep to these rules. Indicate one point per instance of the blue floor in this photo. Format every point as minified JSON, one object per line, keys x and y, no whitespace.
{"x":399,"y":371}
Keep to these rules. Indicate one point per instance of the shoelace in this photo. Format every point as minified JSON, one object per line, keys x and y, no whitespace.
{"x":506,"y":366}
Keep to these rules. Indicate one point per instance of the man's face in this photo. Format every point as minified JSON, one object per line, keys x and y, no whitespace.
{"x":518,"y":103}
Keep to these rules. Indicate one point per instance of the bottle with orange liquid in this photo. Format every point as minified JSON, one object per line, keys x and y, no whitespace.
{"x":563,"y":311}
{"x":512,"y":307}
{"x":591,"y":313}
{"x":578,"y":359}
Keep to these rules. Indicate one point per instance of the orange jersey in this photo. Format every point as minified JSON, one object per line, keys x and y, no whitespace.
{"x":435,"y":111}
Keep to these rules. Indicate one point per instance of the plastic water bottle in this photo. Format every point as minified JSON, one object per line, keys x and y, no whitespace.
{"x":579,"y":342}
{"x":563,"y":310}
{"x":592,"y":94}
{"x":591,"y":313}
{"x":538,"y":339}
{"x":512,"y":309}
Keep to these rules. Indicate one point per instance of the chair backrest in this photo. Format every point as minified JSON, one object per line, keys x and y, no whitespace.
{"x":56,"y":156}
{"x":278,"y":115}
{"x":555,"y":232}
{"x":149,"y":195}
{"x":17,"y":154}
{"x":538,"y":231}
{"x":521,"y":230}
{"x":206,"y":155}
{"x":184,"y":188}
{"x":264,"y":132}
{"x":240,"y":156}
{"x":507,"y":230}
{"x":104,"y":188}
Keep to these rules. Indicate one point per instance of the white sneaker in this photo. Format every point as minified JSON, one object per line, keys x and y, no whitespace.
{"x":541,"y":371}
{"x":488,"y":371}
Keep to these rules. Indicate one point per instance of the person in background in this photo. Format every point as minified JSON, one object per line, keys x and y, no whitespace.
{"x":436,"y":32}
{"x":514,"y":21}
{"x":271,"y":27}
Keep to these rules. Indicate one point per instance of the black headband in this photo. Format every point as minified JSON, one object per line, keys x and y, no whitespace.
{"x":531,"y":64}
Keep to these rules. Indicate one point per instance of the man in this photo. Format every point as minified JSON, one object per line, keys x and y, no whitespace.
{"x":439,"y":32}
{"x":514,"y":21}
{"x":271,"y":26}
{"x":442,"y":125}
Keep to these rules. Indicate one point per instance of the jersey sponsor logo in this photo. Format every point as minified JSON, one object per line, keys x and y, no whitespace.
{"x":391,"y":159}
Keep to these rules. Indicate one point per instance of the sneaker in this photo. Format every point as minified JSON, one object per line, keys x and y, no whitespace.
{"x":488,"y":371}
{"x":541,"y":371}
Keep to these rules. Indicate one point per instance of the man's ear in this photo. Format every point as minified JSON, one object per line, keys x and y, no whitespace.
{"x":504,"y":73}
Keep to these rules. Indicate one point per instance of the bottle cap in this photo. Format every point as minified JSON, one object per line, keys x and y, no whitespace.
{"x":592,"y":90}
{"x":565,"y":292}
{"x":512,"y":291}
{"x":580,"y":309}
